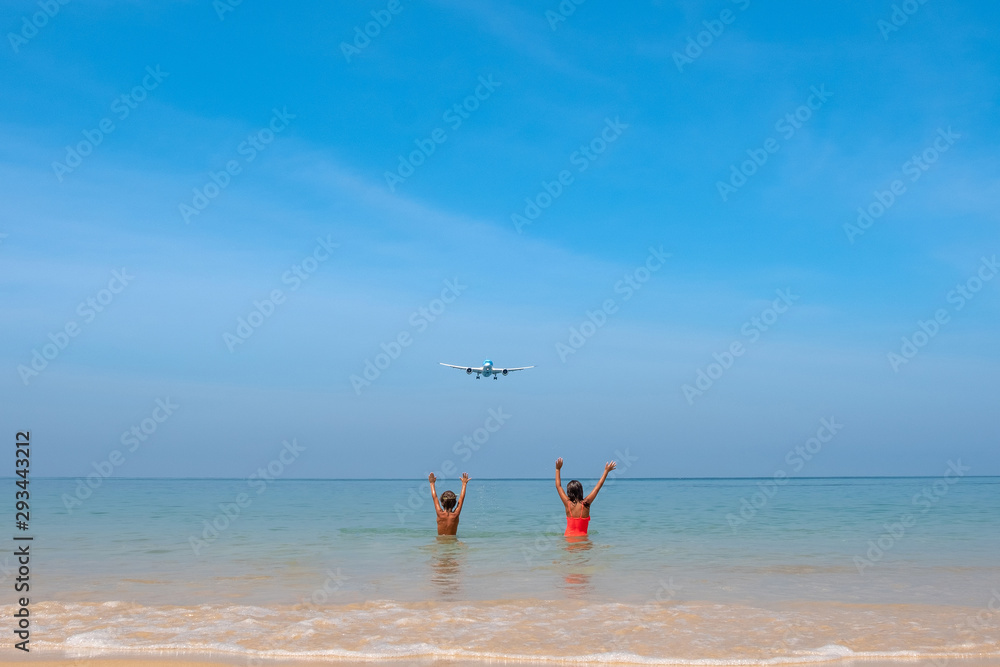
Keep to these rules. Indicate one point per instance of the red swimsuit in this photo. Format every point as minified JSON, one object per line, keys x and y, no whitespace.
{"x":576,"y":526}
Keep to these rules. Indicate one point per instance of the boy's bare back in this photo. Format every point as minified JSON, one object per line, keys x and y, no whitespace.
{"x":447,"y":520}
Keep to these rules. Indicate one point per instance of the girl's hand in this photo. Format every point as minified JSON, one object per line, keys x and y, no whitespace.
{"x":465,"y":478}
{"x":431,"y":478}
{"x":559,"y":463}
{"x":609,"y":466}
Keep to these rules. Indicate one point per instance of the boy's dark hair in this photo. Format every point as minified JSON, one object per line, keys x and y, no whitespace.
{"x":574,"y":491}
{"x":448,"y":500}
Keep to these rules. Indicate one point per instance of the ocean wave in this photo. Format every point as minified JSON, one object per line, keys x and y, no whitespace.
{"x":522,"y":630}
{"x":831,"y":654}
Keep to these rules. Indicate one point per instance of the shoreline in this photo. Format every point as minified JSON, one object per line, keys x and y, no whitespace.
{"x":143,"y":658}
{"x":507,"y":632}
{"x":184,"y":658}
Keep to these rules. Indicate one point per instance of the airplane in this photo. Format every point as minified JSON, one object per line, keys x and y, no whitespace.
{"x":487,"y":369}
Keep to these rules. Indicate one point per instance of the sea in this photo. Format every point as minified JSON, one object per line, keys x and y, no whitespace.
{"x":674,"y":571}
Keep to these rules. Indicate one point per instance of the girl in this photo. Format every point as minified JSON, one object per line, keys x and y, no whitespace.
{"x":578,"y":507}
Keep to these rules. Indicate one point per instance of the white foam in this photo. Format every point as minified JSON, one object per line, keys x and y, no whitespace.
{"x":471,"y":631}
{"x":611,"y":658}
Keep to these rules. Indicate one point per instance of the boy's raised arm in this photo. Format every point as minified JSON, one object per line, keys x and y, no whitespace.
{"x":608,"y":467}
{"x":461,"y":495}
{"x":437,"y":505}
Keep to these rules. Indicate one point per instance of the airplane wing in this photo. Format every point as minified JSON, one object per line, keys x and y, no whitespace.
{"x":511,"y":370}
{"x":464,"y":368}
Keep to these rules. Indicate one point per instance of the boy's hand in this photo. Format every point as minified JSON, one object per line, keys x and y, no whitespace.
{"x":609,"y":466}
{"x":431,"y":478}
{"x":465,"y":478}
{"x":559,"y":463}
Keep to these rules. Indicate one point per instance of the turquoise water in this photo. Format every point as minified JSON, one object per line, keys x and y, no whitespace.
{"x":334,"y":547}
{"x":384,"y":540}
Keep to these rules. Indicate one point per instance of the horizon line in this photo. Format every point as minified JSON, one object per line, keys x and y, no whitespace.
{"x":506,"y":479}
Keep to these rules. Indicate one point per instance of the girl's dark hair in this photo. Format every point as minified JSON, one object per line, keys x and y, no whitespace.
{"x":448,"y":500}
{"x":574,"y":491}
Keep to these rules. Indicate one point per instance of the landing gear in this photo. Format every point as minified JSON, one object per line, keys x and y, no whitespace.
{"x":494,"y":377}
{"x":477,"y":376}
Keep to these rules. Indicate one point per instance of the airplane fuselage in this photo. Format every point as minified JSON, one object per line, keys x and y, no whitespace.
{"x":487,"y":369}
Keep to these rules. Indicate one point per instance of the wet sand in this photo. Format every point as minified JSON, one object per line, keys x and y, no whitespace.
{"x":193,"y":660}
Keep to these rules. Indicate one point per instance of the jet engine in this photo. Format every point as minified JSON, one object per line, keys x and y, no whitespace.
{"x":468,"y":371}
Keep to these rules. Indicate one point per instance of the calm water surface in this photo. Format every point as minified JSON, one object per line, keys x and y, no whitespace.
{"x":673,"y":570}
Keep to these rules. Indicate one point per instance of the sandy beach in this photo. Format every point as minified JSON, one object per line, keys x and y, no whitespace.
{"x":220,"y":661}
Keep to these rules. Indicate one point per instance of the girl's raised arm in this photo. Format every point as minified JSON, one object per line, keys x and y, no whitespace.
{"x":608,"y":467}
{"x":562,"y":493}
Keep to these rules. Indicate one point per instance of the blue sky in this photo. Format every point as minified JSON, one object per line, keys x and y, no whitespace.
{"x":673,"y":129}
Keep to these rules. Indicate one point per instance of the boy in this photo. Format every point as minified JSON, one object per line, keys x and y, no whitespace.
{"x":448,"y":517}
